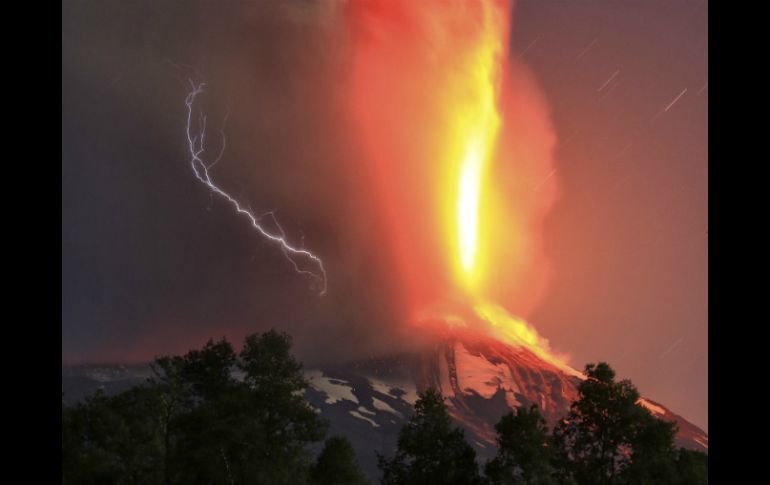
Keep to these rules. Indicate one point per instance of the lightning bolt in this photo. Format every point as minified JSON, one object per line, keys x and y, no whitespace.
{"x":196,"y":146}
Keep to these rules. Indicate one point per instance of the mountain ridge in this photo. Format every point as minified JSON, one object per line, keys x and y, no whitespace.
{"x":369,"y":400}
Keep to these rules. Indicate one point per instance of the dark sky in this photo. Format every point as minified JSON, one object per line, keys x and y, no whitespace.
{"x":150,"y":264}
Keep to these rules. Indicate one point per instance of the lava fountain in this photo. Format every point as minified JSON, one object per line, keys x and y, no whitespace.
{"x":457,"y":144}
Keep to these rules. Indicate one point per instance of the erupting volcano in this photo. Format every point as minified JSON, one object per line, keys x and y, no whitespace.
{"x":458,"y":142}
{"x":381,"y":182}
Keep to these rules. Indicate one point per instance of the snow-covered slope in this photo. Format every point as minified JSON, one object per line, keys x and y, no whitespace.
{"x":368,"y":401}
{"x":481,"y":379}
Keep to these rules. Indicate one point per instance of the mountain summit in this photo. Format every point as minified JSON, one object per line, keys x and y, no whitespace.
{"x":480,"y":376}
{"x":481,"y":379}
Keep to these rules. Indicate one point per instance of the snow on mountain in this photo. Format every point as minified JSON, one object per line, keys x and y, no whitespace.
{"x":369,"y":401}
{"x":481,"y":379}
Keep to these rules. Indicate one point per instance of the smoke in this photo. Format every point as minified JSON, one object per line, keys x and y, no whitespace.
{"x":333,"y":125}
{"x":526,"y":189}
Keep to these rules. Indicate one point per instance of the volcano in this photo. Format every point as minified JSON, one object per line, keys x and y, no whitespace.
{"x":481,"y":379}
{"x":369,"y":400}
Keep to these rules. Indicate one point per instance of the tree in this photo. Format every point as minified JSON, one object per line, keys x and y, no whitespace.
{"x":430,"y":450}
{"x":112,"y":439}
{"x":653,"y":457}
{"x":88,"y":452}
{"x":522,"y":449}
{"x":337,"y":464}
{"x":608,"y":438}
{"x":282,"y":422}
{"x":202,"y":406}
{"x":255,"y":429}
{"x":194,"y":422}
{"x":692,"y":467}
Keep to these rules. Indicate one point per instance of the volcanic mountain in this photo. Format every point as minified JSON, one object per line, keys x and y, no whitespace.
{"x":369,"y":400}
{"x":481,"y":379}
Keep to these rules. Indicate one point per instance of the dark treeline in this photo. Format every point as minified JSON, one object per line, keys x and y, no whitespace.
{"x":209,"y":417}
{"x":605,"y":439}
{"x":214,"y":416}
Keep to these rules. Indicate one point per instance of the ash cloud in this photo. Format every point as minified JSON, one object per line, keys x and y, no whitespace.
{"x":152,"y":264}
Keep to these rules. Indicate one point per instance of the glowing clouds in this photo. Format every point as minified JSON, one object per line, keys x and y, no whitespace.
{"x":454,"y":137}
{"x":424,"y":93}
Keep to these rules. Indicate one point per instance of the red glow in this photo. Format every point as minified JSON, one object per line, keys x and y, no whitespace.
{"x":412,"y":63}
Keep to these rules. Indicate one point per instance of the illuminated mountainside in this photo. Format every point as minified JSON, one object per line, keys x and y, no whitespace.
{"x":483,"y":360}
{"x":481,"y":379}
{"x":368,"y":401}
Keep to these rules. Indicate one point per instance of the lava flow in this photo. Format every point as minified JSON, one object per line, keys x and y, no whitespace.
{"x":458,"y":144}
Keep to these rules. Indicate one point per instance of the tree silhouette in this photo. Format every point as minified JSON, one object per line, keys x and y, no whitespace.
{"x":653,"y":459}
{"x":212,"y":416}
{"x":692,"y":467}
{"x":608,"y":438}
{"x":337,"y":464}
{"x":194,"y":422}
{"x":282,"y":422}
{"x":522,"y":449}
{"x":594,"y":441}
{"x":430,"y":450}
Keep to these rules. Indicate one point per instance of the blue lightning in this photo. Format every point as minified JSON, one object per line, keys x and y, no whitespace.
{"x":196,"y":145}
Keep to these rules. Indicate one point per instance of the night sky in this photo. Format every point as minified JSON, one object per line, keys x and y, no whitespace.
{"x":152,"y":264}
